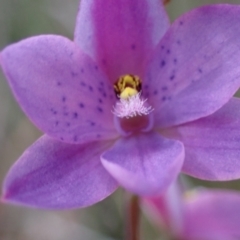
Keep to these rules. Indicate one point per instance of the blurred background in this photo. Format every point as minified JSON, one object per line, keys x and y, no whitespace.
{"x":20,"y":19}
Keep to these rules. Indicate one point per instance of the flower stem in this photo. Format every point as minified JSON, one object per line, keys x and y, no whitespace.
{"x":133,"y":214}
{"x":165,"y":2}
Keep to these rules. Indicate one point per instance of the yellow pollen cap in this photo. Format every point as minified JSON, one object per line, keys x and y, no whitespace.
{"x":127,"y":86}
{"x":128,"y":92}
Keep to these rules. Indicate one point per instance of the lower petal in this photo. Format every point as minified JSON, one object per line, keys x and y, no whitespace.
{"x":213,"y":215}
{"x":145,"y":164}
{"x":52,"y":174}
{"x":167,"y":209}
{"x":212,"y":144}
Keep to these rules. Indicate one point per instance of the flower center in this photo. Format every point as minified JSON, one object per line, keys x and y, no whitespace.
{"x":127,"y":86}
{"x":128,"y":90}
{"x":131,"y":109}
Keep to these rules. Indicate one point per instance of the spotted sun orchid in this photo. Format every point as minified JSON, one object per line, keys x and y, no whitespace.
{"x":198,"y":214}
{"x":132,"y":101}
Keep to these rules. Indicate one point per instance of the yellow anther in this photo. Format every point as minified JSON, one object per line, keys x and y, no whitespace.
{"x":127,"y":86}
{"x":128,"y":92}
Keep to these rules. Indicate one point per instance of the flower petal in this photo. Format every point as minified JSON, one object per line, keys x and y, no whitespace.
{"x":52,"y":174}
{"x":195,"y":69}
{"x":167,"y":210}
{"x":62,"y":91}
{"x":120,"y":35}
{"x":213,"y":215}
{"x":145,"y":164}
{"x":212,"y":144}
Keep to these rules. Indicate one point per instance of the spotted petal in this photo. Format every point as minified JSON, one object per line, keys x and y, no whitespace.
{"x":60,"y":88}
{"x":212,"y":144}
{"x":51,"y":174}
{"x":195,"y":69}
{"x":120,"y":35}
{"x":144,"y":164}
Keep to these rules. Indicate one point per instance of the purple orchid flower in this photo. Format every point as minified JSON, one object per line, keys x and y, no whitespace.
{"x":126,"y":103}
{"x":199,"y":214}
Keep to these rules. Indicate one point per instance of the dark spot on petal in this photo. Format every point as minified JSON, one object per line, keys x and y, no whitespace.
{"x":164,"y":98}
{"x":172,"y":77}
{"x":90,"y":88}
{"x":178,"y":42}
{"x":98,"y":135}
{"x":53,"y":111}
{"x":75,"y":138}
{"x":100,"y":100}
{"x":199,"y":70}
{"x":163,"y":63}
{"x":59,"y":83}
{"x":181,"y":23}
{"x":100,"y":109}
{"x":164,"y":88}
{"x":82,"y":70}
{"x":63,"y":99}
{"x":68,"y":124}
{"x":155,"y":92}
{"x":83,"y":84}
{"x":92,"y":124}
{"x":175,"y":60}
{"x":104,"y":94}
{"x":74,"y":74}
{"x":96,"y":67}
{"x":102,"y":83}
{"x":162,"y":47}
{"x":168,"y":51}
{"x":56,"y":123}
{"x":65,"y":113}
{"x":133,"y":46}
{"x":75,"y":115}
{"x":81,"y":105}
{"x":62,"y":138}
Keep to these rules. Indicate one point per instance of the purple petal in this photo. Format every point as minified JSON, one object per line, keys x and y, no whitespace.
{"x":212,"y":144}
{"x":52,"y":174}
{"x":61,"y":89}
{"x":213,"y":215}
{"x":167,"y":210}
{"x":120,"y":35}
{"x":145,"y":164}
{"x":195,"y":69}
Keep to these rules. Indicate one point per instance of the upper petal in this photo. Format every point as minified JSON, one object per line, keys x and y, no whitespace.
{"x":121,"y":34}
{"x":212,"y":144}
{"x":60,"y":88}
{"x":212,"y":215}
{"x":145,"y":164}
{"x":51,"y":174}
{"x":195,"y":69}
